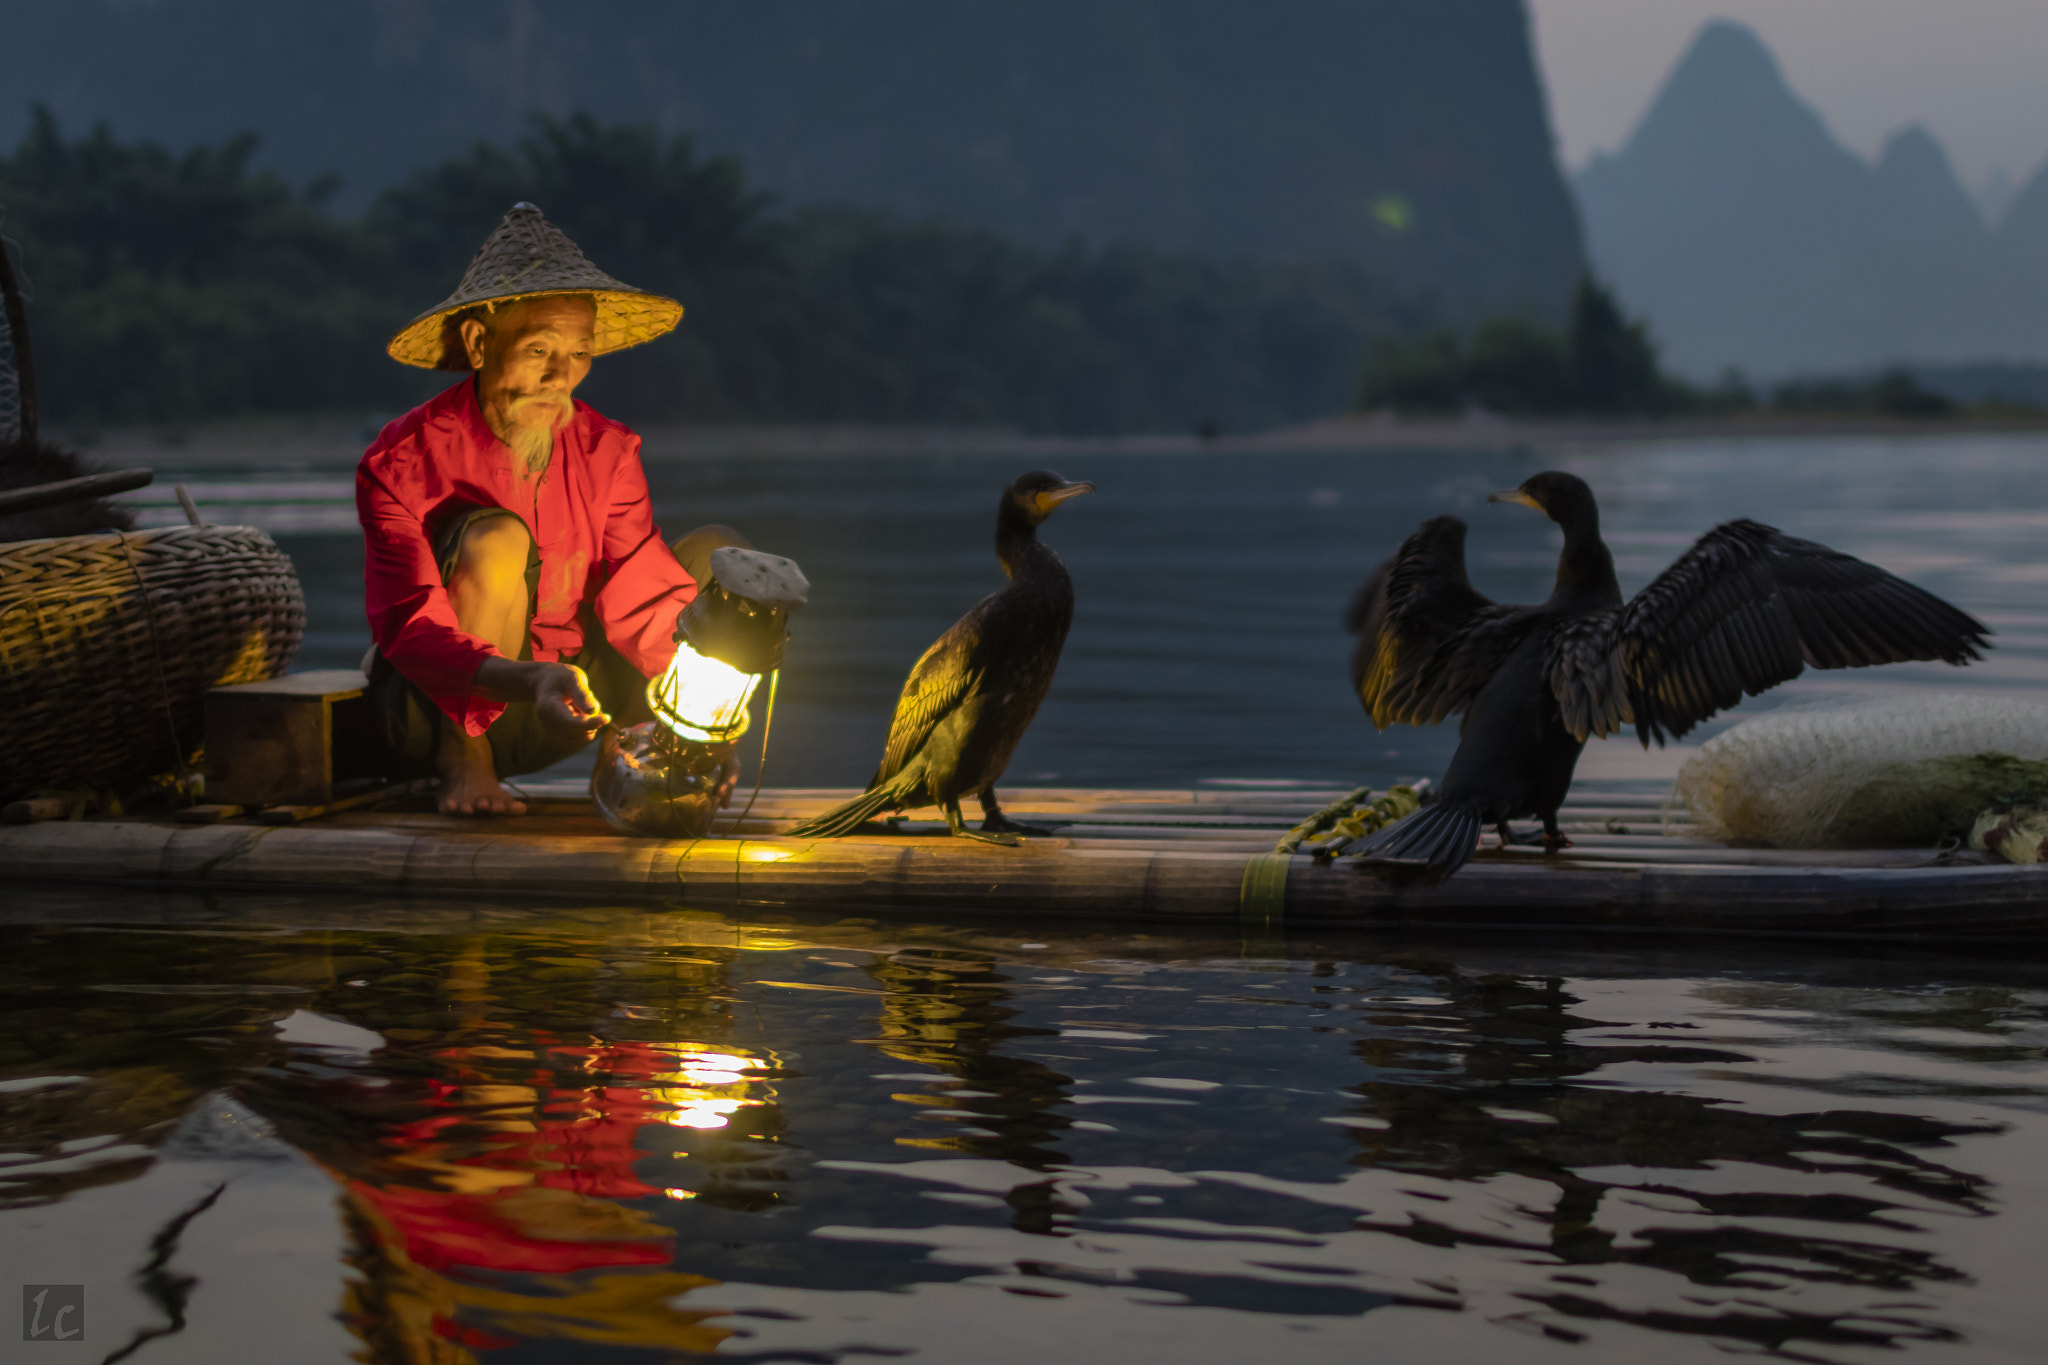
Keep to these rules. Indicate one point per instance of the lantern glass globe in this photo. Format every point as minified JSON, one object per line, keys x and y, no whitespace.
{"x":702,"y":699}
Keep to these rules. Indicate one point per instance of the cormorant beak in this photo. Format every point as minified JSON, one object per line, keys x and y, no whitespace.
{"x":1053,"y":497}
{"x":1514,"y":495}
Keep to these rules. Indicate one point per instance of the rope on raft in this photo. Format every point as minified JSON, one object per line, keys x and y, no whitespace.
{"x":1350,"y":818}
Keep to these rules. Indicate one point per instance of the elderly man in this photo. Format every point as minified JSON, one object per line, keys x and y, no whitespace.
{"x":518,"y":590}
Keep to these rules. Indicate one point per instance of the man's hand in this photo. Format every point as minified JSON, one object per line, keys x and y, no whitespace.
{"x":562,"y":694}
{"x":560,"y":691}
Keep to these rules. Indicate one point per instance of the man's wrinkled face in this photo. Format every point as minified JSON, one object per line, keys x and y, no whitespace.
{"x":529,"y":356}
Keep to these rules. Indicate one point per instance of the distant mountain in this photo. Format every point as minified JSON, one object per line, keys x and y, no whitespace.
{"x":1750,"y":237}
{"x":2023,"y":236}
{"x":1410,"y":135}
{"x":1994,"y":196}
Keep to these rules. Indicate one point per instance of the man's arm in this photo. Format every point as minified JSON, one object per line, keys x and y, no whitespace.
{"x":644,"y":587}
{"x":561,"y":691}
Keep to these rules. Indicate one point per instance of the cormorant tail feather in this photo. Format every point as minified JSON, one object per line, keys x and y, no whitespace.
{"x":849,"y":816}
{"x":1441,"y":837}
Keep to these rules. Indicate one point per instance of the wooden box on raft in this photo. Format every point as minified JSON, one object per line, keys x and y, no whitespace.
{"x":287,"y":741}
{"x":1182,"y":857}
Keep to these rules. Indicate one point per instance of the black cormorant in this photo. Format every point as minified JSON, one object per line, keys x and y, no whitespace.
{"x":1746,"y":608}
{"x":971,"y":697}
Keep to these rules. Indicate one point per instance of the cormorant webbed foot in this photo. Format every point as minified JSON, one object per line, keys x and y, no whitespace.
{"x":958,"y":824}
{"x":1508,"y":836}
{"x":993,"y":821}
{"x":1003,"y":824}
{"x":1553,"y":837}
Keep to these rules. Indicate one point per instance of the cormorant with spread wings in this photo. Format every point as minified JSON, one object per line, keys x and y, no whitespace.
{"x":1746,"y":608}
{"x":972,"y":696}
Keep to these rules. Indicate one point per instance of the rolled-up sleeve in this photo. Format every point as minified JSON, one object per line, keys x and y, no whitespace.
{"x":644,"y":587}
{"x":411,"y":618}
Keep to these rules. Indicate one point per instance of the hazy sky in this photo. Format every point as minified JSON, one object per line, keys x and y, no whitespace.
{"x":1975,"y":72}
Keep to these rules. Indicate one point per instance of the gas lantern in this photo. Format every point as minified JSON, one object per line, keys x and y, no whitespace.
{"x":660,"y":777}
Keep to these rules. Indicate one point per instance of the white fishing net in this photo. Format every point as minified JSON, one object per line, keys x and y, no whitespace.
{"x":1895,"y":771}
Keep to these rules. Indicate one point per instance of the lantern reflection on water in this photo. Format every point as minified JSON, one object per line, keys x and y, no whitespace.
{"x":661,"y":777}
{"x":508,"y":1197}
{"x":706,"y":1089}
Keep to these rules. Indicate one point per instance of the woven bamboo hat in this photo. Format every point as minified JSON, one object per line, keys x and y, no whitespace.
{"x":526,"y":258}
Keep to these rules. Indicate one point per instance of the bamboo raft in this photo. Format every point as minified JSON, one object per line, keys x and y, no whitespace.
{"x":1187,"y":856}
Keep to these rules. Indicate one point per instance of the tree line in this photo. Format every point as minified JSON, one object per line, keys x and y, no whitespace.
{"x":1604,"y":363}
{"x":171,"y":286}
{"x":179,"y":285}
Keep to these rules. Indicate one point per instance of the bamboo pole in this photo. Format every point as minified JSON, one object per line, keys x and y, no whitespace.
{"x":73,"y":490}
{"x":17,"y":332}
{"x":1687,"y":891}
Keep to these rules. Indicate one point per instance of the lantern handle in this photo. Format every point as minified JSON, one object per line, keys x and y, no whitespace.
{"x":760,"y":764}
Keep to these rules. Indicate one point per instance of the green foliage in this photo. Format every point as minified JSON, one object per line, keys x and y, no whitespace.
{"x":1613,"y":362}
{"x":1605,"y":364}
{"x":1514,"y":365}
{"x":184,"y":286}
{"x":1422,"y":374}
{"x":1895,"y":393}
{"x":1600,"y":363}
{"x":167,"y":284}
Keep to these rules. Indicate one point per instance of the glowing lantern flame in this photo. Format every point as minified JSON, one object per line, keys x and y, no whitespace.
{"x":729,"y":636}
{"x":702,"y":699}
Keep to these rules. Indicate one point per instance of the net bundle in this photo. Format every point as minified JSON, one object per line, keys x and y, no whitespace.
{"x":1894,"y":771}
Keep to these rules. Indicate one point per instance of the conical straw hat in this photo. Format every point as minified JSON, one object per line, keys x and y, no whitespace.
{"x":525,"y":258}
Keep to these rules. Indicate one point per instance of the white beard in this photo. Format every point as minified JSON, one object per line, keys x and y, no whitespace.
{"x":534,"y":446}
{"x":535,"y":420}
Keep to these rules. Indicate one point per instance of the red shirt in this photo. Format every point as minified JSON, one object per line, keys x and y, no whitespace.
{"x":588,"y":513}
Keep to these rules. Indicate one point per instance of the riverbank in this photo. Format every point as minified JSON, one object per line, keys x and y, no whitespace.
{"x":327,"y":441}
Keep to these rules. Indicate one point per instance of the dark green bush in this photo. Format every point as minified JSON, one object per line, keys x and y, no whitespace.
{"x":1894,"y":393}
{"x":1600,"y":363}
{"x":176,"y":286}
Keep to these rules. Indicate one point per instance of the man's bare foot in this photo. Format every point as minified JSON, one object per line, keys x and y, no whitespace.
{"x":469,"y":780}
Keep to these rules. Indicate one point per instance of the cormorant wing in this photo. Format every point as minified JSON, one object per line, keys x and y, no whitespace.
{"x":1428,"y":641}
{"x":937,"y":683}
{"x":1746,"y":608}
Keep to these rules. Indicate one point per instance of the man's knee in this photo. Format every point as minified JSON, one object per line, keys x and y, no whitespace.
{"x":494,"y":554}
{"x":693,"y":551}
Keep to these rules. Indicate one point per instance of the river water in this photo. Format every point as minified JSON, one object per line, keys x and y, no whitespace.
{"x":1209,"y":589}
{"x":273,"y":1128}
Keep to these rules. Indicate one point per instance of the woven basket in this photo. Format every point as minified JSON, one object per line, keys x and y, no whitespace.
{"x":108,"y":644}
